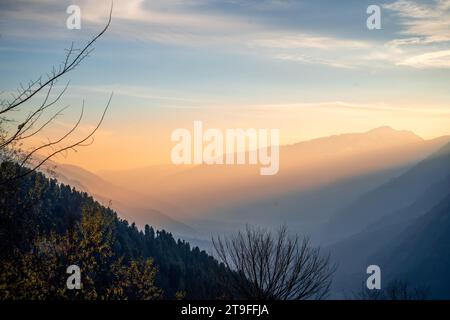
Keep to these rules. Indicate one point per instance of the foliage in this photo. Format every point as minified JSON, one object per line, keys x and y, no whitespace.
{"x":45,"y":227}
{"x":40,"y":273}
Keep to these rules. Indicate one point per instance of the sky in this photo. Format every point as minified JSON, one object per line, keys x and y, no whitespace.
{"x":309,"y":68}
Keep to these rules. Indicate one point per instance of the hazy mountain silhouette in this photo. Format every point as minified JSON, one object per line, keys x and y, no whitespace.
{"x":304,"y":167}
{"x":415,"y":250}
{"x":134,"y":207}
{"x":382,"y":197}
{"x":390,"y":197}
{"x":303,"y":211}
{"x":383,"y":241}
{"x":318,"y":179}
{"x":421,"y":252}
{"x":328,"y":182}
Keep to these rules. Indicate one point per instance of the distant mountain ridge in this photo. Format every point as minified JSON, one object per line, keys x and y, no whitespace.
{"x":381,"y":137}
{"x":141,"y":209}
{"x":388,"y":235}
{"x":316,"y":179}
{"x":392,"y":196}
{"x":421,"y":252}
{"x":304,"y":166}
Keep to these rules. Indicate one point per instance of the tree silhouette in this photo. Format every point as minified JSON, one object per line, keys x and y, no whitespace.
{"x":274,"y":266}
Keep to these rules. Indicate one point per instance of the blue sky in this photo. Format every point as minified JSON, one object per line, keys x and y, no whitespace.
{"x":230,"y":61}
{"x":234,"y":47}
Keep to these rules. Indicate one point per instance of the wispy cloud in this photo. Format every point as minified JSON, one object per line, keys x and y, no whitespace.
{"x":436,"y":59}
{"x":426,"y":23}
{"x":298,"y":40}
{"x":312,"y":60}
{"x":426,"y":33}
{"x":342,"y":105}
{"x":189,"y":23}
{"x":146,"y":94}
{"x":205,"y":23}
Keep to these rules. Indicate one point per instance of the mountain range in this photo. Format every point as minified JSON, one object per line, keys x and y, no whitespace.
{"x":317,"y":178}
{"x":380,"y":197}
{"x":403,"y":226}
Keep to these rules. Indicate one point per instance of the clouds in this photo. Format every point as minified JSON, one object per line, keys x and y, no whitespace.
{"x":429,"y":23}
{"x":245,"y":26}
{"x":425,"y":28}
{"x":436,"y":59}
{"x":165,"y":21}
{"x":410,"y":9}
{"x":227,"y":60}
{"x":297,"y":40}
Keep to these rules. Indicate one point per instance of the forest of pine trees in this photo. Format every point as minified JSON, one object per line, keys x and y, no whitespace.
{"x":46,"y":226}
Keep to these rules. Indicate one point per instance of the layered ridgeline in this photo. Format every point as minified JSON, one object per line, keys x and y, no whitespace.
{"x":403,"y":226}
{"x":46,"y":226}
{"x":317,"y":178}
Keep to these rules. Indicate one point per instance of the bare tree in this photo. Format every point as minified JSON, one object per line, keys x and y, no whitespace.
{"x":31,"y":109}
{"x":274,"y":266}
{"x":395,"y":290}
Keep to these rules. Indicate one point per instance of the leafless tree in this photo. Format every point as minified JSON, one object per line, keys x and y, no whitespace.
{"x":32,"y":109}
{"x":395,"y":290}
{"x":274,"y":266}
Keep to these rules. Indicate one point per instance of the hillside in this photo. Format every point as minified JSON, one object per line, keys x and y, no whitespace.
{"x":130,"y":205}
{"x":420,"y":252}
{"x":36,"y":208}
{"x":386,"y":238}
{"x":390,"y":197}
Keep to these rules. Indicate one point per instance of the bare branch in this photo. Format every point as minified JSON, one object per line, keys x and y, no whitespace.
{"x":28,"y":93}
{"x":274,"y":266}
{"x":12,"y":138}
{"x":72,"y":146}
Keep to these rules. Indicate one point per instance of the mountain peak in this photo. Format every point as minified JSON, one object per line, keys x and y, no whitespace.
{"x":382,"y":129}
{"x":386,"y":131}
